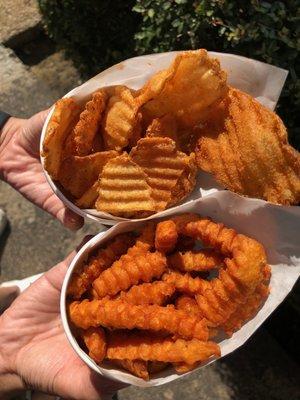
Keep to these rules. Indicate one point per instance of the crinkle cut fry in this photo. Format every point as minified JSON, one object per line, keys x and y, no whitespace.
{"x":120,"y":315}
{"x":219,"y":298}
{"x":188,"y":304}
{"x":201,"y":260}
{"x":185,"y":283}
{"x":247,"y":310}
{"x":134,"y":267}
{"x":82,"y":280}
{"x":248,"y":256}
{"x":95,"y":341}
{"x":148,"y":293}
{"x":136,"y":367}
{"x":166,"y":236}
{"x":139,"y":346}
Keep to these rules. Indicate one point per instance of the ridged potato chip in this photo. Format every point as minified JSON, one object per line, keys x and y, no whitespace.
{"x":123,"y":187}
{"x":88,"y":124}
{"x":121,"y":118}
{"x":162,"y":163}
{"x":77,"y":174}
{"x":244,"y":145}
{"x":60,"y":125}
{"x":88,"y":199}
{"x":165,"y":126}
{"x":186,"y":89}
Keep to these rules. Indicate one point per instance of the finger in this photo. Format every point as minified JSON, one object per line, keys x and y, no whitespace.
{"x":70,"y":219}
{"x":37,"y":121}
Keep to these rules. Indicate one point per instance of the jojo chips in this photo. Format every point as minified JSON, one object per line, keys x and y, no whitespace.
{"x":133,"y":153}
{"x":147,"y":299}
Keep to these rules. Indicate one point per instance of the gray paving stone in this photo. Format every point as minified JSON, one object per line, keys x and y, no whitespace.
{"x":19,"y":20}
{"x":58,"y":73}
{"x":22,"y":92}
{"x":25,"y":91}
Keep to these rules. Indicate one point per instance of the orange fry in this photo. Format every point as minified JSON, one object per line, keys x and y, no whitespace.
{"x":134,"y":267}
{"x":120,"y":315}
{"x":185,"y":283}
{"x":82,"y":280}
{"x":139,"y":346}
{"x":247,"y":310}
{"x":148,"y":293}
{"x":136,"y":367}
{"x":188,"y":304}
{"x":95,"y":341}
{"x":202,"y":260}
{"x":166,"y":236}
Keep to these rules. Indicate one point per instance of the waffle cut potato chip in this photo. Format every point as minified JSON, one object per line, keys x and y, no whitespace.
{"x":88,"y":199}
{"x":123,"y":188}
{"x":244,"y":145}
{"x":121,"y":120}
{"x":186,"y":89}
{"x":77,"y":174}
{"x":63,"y":119}
{"x":165,"y":126}
{"x":163,"y":165}
{"x":88,"y":124}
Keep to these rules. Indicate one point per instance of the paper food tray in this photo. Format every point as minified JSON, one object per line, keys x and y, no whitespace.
{"x":261,"y":80}
{"x":276,"y":227}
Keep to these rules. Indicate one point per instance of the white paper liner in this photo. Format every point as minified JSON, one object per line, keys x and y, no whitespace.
{"x":261,"y":80}
{"x":276,"y":227}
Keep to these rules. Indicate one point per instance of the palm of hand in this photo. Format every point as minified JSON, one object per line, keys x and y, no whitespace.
{"x":23,"y":170}
{"x":33,"y":341}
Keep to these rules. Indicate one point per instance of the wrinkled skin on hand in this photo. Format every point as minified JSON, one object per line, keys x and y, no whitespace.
{"x":35,"y":349}
{"x":20,"y":167}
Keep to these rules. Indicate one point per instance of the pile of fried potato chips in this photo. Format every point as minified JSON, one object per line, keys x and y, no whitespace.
{"x":133,"y":153}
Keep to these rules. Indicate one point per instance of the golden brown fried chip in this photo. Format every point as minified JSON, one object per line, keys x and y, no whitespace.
{"x":165,"y":126}
{"x":77,"y":174}
{"x":186,"y":182}
{"x":121,"y":118}
{"x":123,"y":187}
{"x":88,"y":199}
{"x":88,"y":124}
{"x":244,"y":145}
{"x":162,"y":163}
{"x":186,"y":89}
{"x":60,"y":125}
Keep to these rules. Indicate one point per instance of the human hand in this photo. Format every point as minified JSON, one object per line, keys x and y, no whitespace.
{"x":20,"y":167}
{"x":34,"y":350}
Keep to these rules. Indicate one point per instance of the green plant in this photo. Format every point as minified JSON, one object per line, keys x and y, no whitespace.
{"x":94,"y":33}
{"x":264,"y":30}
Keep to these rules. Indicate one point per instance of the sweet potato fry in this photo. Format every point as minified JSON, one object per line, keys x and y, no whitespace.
{"x":148,"y":293}
{"x":166,"y":236}
{"x":136,"y":367}
{"x":201,"y":260}
{"x":95,"y":341}
{"x":82,"y":279}
{"x":139,"y":346}
{"x":132,"y":268}
{"x":120,"y":315}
